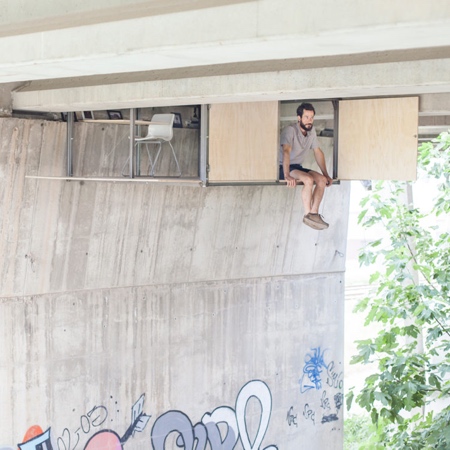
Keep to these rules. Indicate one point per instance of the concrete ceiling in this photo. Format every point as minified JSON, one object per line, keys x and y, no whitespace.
{"x":112,"y":54}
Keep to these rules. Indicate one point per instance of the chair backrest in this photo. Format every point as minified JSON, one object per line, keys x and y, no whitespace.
{"x":161,"y":127}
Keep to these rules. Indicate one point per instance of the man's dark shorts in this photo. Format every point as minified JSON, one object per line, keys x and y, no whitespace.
{"x":291,"y":168}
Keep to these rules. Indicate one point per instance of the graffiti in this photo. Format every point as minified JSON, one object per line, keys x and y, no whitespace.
{"x":325,"y":401}
{"x":291,"y":419}
{"x":316,"y":367}
{"x":33,"y":431}
{"x":329,"y":418}
{"x":339,"y":400}
{"x":219,"y":430}
{"x":139,"y":419}
{"x":312,"y":371}
{"x":325,"y":404}
{"x":104,"y":439}
{"x":40,"y":442}
{"x":208,"y":431}
{"x":334,"y":379}
{"x":111,"y":440}
{"x":309,"y":414}
{"x":92,"y":419}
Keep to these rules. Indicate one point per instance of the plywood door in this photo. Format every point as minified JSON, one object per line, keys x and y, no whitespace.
{"x":243,"y":142}
{"x":378,"y":139}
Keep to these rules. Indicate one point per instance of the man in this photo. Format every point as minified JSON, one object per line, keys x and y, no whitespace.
{"x":295,"y":142}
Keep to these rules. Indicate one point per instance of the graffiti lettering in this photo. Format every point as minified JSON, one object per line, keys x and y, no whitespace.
{"x":111,"y":440}
{"x":291,"y":419}
{"x":219,"y":430}
{"x":208,"y":432}
{"x":334,"y":379}
{"x":92,"y":419}
{"x":312,"y":371}
{"x":339,"y":400}
{"x":325,"y":401}
{"x":40,"y":442}
{"x":308,"y":413}
{"x":317,"y":366}
{"x":64,"y":440}
{"x":226,"y":416}
{"x":261,"y":391}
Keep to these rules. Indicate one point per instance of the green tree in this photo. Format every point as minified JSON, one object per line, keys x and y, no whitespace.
{"x":410,"y":298}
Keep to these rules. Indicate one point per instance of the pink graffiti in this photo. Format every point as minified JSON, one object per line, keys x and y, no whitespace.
{"x":104,"y":440}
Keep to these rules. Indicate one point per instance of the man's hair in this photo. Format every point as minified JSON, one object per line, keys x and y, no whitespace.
{"x":304,"y":106}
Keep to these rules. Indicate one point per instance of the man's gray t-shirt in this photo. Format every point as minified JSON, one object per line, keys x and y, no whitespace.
{"x":300,"y":144}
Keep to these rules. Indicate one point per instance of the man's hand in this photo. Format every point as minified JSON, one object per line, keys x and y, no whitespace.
{"x":329,"y":180}
{"x":290,"y":181}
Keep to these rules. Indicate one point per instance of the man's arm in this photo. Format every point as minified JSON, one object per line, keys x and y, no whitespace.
{"x":320,"y":159}
{"x":286,"y":163}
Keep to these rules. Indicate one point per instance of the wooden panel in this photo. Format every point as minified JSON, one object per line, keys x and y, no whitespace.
{"x":243,"y":142}
{"x":378,"y":139}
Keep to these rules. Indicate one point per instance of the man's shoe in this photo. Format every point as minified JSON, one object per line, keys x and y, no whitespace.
{"x":314,"y":220}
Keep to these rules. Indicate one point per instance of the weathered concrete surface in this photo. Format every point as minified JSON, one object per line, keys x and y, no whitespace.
{"x":196,"y":297}
{"x":189,"y":347}
{"x":242,"y":32}
{"x":58,"y":235}
{"x":129,"y":54}
{"x":383,"y":79}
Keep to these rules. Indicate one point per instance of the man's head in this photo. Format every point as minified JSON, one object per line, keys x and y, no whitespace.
{"x":305,"y":116}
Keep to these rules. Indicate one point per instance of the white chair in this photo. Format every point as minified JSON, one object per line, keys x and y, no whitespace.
{"x":159,"y":130}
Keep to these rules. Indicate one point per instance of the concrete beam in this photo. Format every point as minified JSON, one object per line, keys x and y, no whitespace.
{"x":386,"y":79}
{"x":6,"y":99}
{"x":28,"y":16}
{"x":244,"y":32}
{"x":435,"y":105}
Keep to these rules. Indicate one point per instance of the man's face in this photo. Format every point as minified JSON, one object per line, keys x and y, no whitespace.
{"x":306,"y":121}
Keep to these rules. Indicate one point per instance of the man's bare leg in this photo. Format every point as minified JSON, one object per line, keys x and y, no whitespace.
{"x":318,"y":192}
{"x":307,"y":191}
{"x":312,"y":194}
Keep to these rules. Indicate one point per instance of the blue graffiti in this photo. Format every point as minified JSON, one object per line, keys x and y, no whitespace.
{"x":339,"y":400}
{"x":330,"y":418}
{"x":312,"y":371}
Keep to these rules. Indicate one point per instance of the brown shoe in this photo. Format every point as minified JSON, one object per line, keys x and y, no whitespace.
{"x":314,"y":220}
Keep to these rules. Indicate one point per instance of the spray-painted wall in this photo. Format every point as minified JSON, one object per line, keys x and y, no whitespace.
{"x":129,"y":311}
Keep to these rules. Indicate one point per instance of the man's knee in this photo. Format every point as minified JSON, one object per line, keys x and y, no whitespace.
{"x":321,"y":181}
{"x":308,"y":181}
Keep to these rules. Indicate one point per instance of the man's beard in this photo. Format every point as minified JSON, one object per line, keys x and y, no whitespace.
{"x":305,"y":127}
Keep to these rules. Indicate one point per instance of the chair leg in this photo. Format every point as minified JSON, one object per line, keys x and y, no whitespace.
{"x":138,"y":169}
{"x":176,"y":160}
{"x":153,"y":164}
{"x":174,"y":155}
{"x":150,"y":164}
{"x":123,"y":168}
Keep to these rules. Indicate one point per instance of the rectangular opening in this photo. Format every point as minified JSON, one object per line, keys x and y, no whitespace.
{"x":101,"y":144}
{"x":238,"y":143}
{"x":324,"y":125}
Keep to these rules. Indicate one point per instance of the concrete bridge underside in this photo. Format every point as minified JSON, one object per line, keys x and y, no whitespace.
{"x":218,"y":304}
{"x":128,"y":53}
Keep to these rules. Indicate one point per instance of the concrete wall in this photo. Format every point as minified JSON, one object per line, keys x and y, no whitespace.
{"x":216,"y":304}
